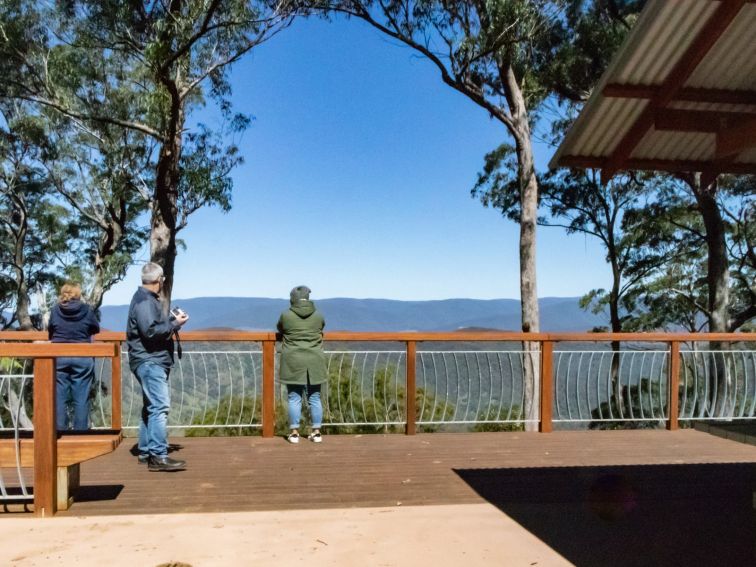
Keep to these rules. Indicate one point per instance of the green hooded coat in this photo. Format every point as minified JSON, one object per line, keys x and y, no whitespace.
{"x":302,"y":349}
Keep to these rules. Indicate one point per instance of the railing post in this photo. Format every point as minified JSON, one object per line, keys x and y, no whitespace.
{"x":45,"y":438}
{"x":410,"y":406}
{"x":115,"y":386}
{"x":674,"y":386}
{"x":268,"y":387}
{"x":547,"y":386}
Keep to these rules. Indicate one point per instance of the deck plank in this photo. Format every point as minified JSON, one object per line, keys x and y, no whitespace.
{"x":251,"y":473}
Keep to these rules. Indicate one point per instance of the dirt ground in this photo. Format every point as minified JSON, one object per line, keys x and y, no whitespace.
{"x":458,"y":535}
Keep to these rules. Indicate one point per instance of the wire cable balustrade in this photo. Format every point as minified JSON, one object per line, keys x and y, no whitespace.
{"x":718,"y":385}
{"x":212,"y":390}
{"x":15,"y":419}
{"x":218,"y":387}
{"x":601,"y":386}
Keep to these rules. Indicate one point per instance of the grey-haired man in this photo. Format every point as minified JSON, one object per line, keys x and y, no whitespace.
{"x":149,"y":336}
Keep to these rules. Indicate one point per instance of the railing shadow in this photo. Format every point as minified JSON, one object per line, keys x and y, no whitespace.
{"x":631,"y":515}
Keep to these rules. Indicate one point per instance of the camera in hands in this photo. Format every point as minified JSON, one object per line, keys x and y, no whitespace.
{"x":178,"y":313}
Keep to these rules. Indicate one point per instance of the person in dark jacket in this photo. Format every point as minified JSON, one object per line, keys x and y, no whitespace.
{"x":149,"y":337}
{"x":72,"y":321}
{"x":302,"y":360}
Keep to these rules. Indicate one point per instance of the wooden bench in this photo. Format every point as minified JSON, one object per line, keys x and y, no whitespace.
{"x":72,"y":450}
{"x":54,"y":456}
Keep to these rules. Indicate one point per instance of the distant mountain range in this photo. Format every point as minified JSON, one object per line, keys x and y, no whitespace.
{"x":343,"y":314}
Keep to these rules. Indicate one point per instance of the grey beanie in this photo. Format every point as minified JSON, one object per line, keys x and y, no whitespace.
{"x":299,"y":293}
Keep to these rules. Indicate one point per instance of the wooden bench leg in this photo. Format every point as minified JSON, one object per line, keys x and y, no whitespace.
{"x":68,"y":483}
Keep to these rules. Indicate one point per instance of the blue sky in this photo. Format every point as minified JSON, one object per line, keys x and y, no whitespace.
{"x":359,"y":164}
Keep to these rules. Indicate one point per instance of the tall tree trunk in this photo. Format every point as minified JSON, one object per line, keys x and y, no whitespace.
{"x":164,"y":212}
{"x":107,"y":247}
{"x":616,"y":325}
{"x":528,"y":223}
{"x":717,"y":279}
{"x":164,"y":223}
{"x":19,"y":259}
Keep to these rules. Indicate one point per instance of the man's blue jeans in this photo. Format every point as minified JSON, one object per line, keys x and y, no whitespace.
{"x":296,"y":391}
{"x":156,"y":401}
{"x":73,"y":381}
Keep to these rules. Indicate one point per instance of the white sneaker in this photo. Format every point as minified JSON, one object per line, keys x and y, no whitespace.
{"x":293,"y":438}
{"x":315,"y":437}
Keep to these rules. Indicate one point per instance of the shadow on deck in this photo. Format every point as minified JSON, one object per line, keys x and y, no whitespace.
{"x":698,"y":514}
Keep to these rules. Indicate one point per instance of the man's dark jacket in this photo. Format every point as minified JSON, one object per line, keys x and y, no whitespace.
{"x":72,"y":322}
{"x":149,"y":332}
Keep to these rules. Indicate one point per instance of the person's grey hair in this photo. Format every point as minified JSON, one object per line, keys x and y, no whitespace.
{"x":151,"y":273}
{"x":299,"y":293}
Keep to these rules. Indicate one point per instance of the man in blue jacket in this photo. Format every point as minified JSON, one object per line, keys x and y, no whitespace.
{"x":149,"y":336}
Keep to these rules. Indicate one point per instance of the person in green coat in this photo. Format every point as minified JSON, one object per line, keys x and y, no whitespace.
{"x":303,"y":367}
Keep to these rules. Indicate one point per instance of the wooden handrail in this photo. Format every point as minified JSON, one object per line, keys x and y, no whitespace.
{"x":54,"y":350}
{"x":461,"y":336}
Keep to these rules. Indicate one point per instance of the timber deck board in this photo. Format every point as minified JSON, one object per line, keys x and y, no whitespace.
{"x":251,"y":473}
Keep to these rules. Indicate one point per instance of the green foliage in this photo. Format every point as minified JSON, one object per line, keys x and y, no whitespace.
{"x":16,"y":400}
{"x":487,"y":419}
{"x":241,"y":409}
{"x":668,"y":267}
{"x":121,"y":80}
{"x":590,"y":34}
{"x":637,"y":401}
{"x":34,"y":228}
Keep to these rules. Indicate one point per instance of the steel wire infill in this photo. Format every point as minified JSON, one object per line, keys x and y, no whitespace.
{"x":600,"y":387}
{"x":16,"y":380}
{"x":717,"y":385}
{"x":209,"y":390}
{"x":485,"y":388}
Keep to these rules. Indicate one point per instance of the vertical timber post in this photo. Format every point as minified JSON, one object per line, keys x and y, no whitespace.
{"x":545,"y":424}
{"x":45,"y":439}
{"x":115,"y":386}
{"x":411,"y":388}
{"x":673,"y":404}
{"x":268,"y":386}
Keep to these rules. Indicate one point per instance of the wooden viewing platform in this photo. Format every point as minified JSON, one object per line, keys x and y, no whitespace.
{"x":252,"y":473}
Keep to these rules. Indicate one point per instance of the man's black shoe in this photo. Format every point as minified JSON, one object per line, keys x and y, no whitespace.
{"x":143,"y":459}
{"x":158,"y":464}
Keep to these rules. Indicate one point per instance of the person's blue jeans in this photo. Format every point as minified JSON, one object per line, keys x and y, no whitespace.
{"x":73,"y":381}
{"x":296,"y":391}
{"x":156,"y":401}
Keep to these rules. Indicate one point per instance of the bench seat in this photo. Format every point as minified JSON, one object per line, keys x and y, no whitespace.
{"x":73,"y":449}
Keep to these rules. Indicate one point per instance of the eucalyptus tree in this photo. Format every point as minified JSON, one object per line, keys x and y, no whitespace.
{"x":101,"y":175}
{"x":492,"y":53}
{"x":673,"y":230}
{"x":145,"y":67}
{"x":33,"y":227}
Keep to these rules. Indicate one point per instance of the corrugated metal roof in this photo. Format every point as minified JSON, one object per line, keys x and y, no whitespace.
{"x":731,"y":63}
{"x":662,"y":44}
{"x":664,"y":32}
{"x":675,"y":146}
